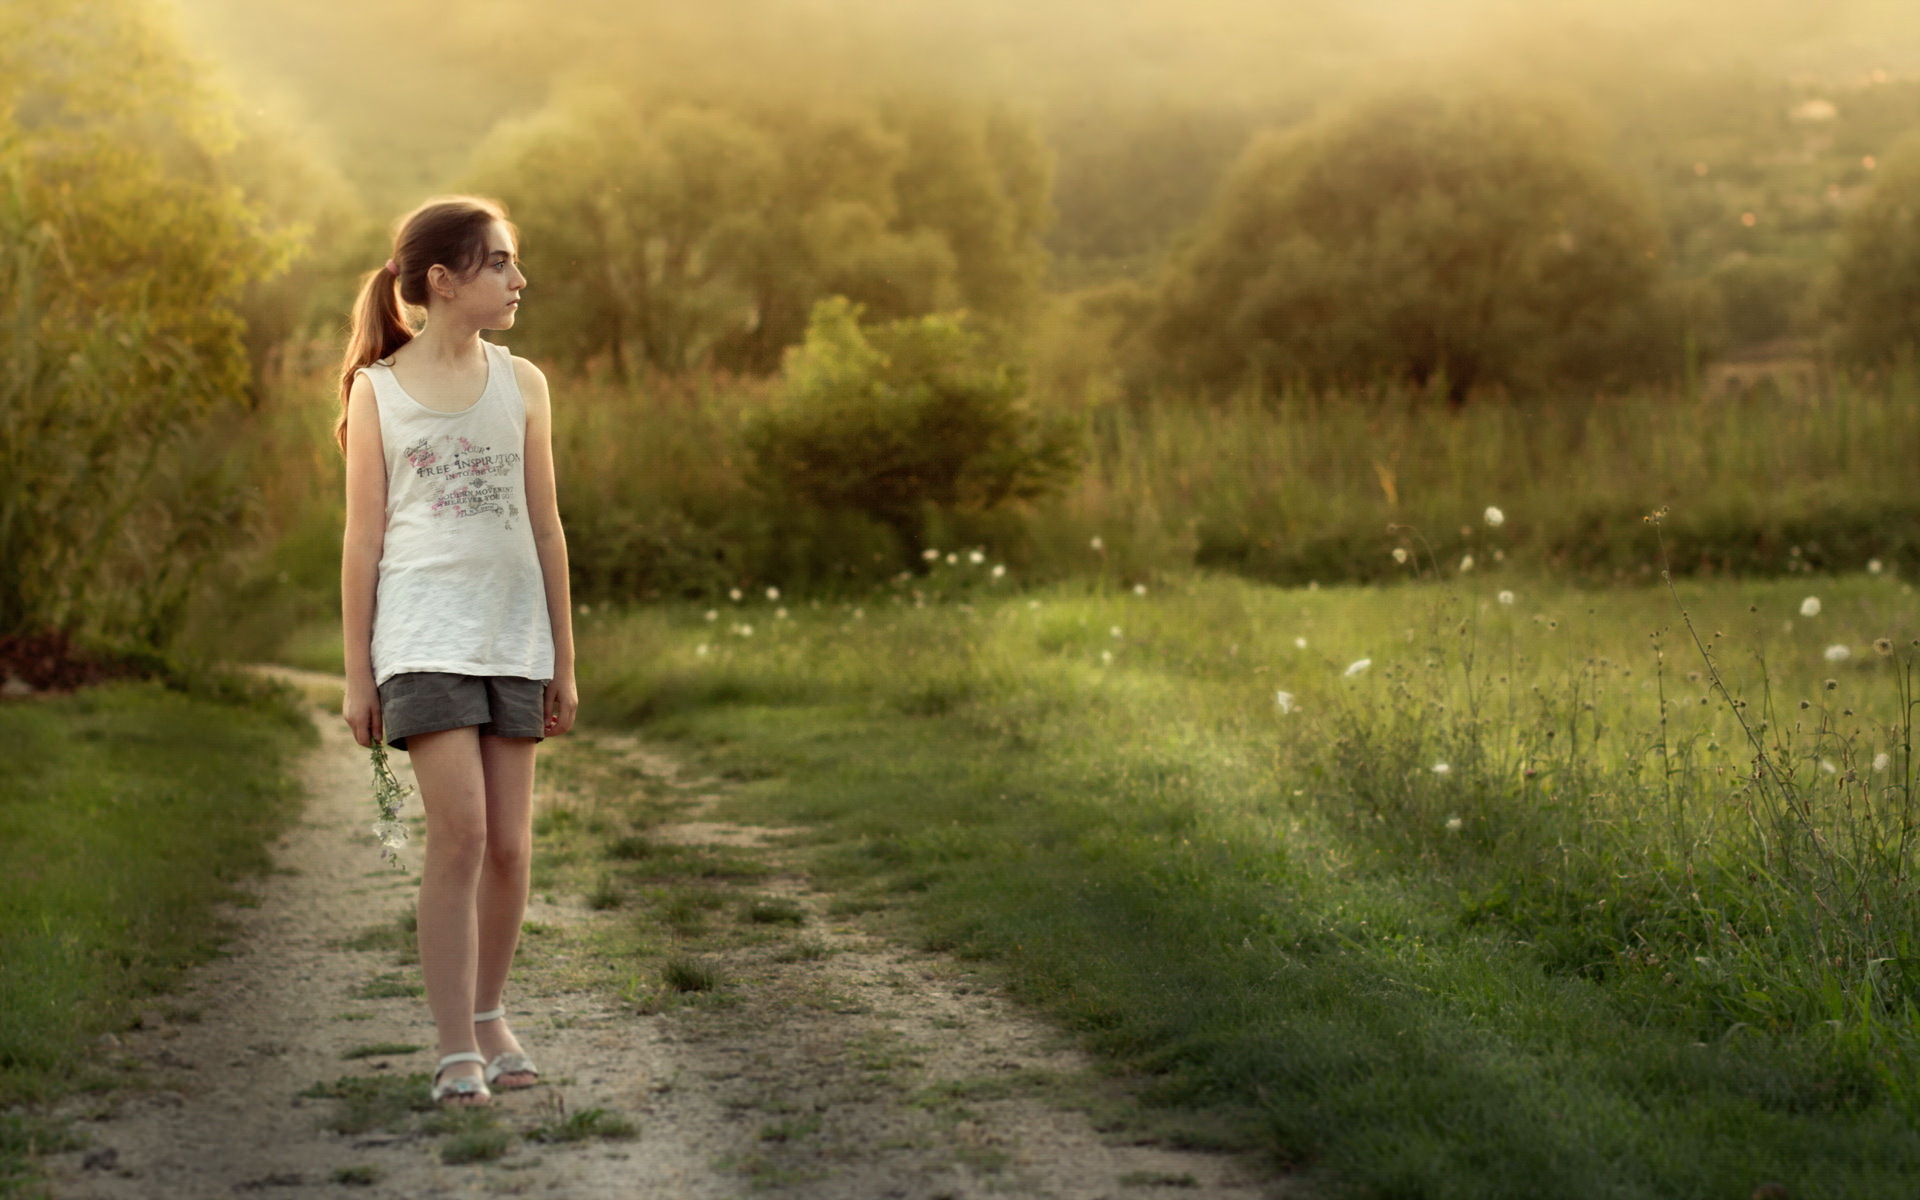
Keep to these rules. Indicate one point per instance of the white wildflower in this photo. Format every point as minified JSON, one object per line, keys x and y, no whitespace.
{"x":1115,"y":631}
{"x":1882,"y":761}
{"x":733,"y":594}
{"x":1874,"y":566}
{"x":1106,"y":658}
{"x":1828,"y":768}
{"x":1454,"y":824}
{"x":999,"y":569}
{"x":953,"y":559}
{"x":976,"y":557}
{"x":702,"y":650}
{"x":1284,"y":700}
{"x":1506,"y":597}
{"x":713,"y":614}
{"x":1300,"y":643}
{"x":1443,"y":768}
{"x":1810,"y":607}
{"x":1495,"y":517}
{"x":1400,"y":554}
{"x":743,"y":630}
{"x":930,"y":554}
{"x":773,"y":593}
{"x":583,"y":609}
{"x":1097,"y":544}
{"x":1466,"y":562}
{"x":1139,"y":589}
{"x":389,"y":795}
{"x":1838,"y":653}
{"x":780,"y":614}
{"x":1356,"y":666}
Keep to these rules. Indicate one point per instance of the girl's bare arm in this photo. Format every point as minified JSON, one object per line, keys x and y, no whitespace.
{"x":543,"y":511}
{"x":360,"y":557}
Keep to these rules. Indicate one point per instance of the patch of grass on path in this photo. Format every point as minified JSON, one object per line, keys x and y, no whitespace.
{"x":1472,"y":920}
{"x":126,"y":813}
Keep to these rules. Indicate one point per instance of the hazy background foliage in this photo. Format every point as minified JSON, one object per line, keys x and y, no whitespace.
{"x":1246,"y":251}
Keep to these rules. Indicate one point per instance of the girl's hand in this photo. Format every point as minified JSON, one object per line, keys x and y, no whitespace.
{"x":362,"y":711}
{"x":560,"y":704}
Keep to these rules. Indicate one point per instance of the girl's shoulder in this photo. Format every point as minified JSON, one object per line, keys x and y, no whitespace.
{"x":532,"y":379}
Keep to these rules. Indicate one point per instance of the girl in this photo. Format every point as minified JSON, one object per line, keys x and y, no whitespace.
{"x":453,"y":596}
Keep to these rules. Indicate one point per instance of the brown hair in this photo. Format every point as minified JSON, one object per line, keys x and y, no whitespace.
{"x":449,"y":230}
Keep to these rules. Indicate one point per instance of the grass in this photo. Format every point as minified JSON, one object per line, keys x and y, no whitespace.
{"x":1596,"y":954}
{"x":390,"y":986}
{"x":400,"y":937}
{"x":684,"y":973}
{"x":367,"y":1102}
{"x":1286,"y":488}
{"x":381,"y":1050}
{"x":773,"y":911}
{"x":587,"y":1125}
{"x":127,"y":813}
{"x":1184,"y":1179}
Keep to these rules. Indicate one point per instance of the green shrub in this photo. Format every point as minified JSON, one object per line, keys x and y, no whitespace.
{"x":902,"y":419}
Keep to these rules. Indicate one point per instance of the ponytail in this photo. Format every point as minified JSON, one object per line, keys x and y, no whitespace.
{"x":448,"y":230}
{"x":378,"y":330}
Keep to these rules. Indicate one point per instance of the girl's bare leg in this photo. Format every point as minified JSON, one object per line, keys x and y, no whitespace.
{"x":447,"y":766}
{"x":501,"y":903}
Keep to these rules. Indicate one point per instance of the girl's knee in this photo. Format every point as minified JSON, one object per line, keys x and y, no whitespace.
{"x":460,"y":844}
{"x":508,"y":853}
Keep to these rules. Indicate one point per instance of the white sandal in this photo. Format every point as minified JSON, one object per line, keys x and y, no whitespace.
{"x":507,"y":1062}
{"x":463,"y":1086}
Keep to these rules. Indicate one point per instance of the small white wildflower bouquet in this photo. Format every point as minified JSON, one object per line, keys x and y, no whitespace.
{"x":388,"y":795}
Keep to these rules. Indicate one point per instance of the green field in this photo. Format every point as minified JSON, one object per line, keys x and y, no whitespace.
{"x":1527,"y":906}
{"x":127,"y":812}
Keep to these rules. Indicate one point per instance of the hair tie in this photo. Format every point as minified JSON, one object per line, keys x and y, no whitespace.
{"x":390,"y":267}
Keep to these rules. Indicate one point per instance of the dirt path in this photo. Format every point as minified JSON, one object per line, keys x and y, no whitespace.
{"x":830,"y":1064}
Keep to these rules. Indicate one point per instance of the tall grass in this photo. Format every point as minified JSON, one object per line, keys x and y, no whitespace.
{"x":1290,"y":489}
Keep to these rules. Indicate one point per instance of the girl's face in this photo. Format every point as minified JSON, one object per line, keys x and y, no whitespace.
{"x":490,"y":299}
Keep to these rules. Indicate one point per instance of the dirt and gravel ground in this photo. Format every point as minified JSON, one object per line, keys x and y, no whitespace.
{"x":829,"y":1062}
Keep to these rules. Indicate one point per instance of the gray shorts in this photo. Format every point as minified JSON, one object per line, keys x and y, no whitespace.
{"x":429,"y":701}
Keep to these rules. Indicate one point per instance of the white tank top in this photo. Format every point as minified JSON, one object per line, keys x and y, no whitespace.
{"x":460,"y":587}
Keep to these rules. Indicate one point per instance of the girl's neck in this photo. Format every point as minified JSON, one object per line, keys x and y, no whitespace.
{"x":441,"y":344}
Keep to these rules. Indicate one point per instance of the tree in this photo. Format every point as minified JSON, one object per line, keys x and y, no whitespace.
{"x":1876,"y":287}
{"x":891,"y":420}
{"x":125,"y":248}
{"x":125,"y":152}
{"x":1473,"y":238}
{"x":684,"y":230}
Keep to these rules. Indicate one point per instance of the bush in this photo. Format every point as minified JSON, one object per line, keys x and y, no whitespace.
{"x":1471,"y":240}
{"x":902,"y":418}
